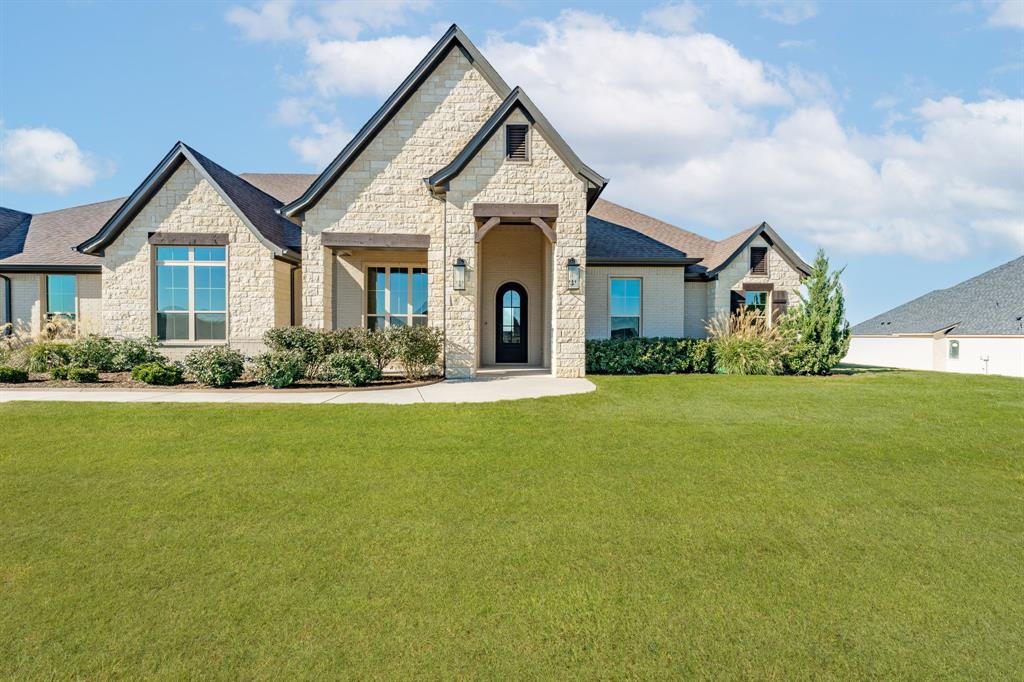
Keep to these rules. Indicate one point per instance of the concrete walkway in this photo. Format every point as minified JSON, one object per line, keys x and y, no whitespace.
{"x":485,"y":389}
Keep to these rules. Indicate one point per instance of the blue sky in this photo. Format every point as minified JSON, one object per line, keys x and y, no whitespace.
{"x":892,"y":134}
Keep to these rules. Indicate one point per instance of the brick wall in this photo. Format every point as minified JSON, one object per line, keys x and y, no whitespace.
{"x":662,"y":299}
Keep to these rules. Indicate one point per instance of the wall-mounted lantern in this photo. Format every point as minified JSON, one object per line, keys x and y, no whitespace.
{"x":460,"y":275}
{"x":574,"y":274}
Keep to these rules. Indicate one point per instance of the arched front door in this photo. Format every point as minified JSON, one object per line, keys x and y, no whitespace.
{"x":510,"y":308}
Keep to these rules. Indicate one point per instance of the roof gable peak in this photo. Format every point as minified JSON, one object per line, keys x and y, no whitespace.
{"x":453,"y":37}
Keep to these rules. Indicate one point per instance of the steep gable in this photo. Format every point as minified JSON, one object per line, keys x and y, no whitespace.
{"x":256,"y":209}
{"x":454,"y":38}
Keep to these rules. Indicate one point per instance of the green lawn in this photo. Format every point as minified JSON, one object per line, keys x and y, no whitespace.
{"x":863,"y":526}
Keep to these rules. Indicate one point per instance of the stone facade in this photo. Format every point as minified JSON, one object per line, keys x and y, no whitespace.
{"x":188,"y":203}
{"x":544,"y":179}
{"x":733,"y":276}
{"x":382,"y":191}
{"x":663,"y":304}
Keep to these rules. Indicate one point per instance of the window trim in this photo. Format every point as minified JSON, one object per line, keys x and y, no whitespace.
{"x":750,"y":262}
{"x":526,"y":142}
{"x":48,"y":314}
{"x":954,"y":344}
{"x":191,"y":264}
{"x":764,"y":308}
{"x":639,"y":316}
{"x":389,"y":266}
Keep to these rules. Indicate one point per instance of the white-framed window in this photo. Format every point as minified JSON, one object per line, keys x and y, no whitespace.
{"x":191,"y":293}
{"x":625,"y":307}
{"x":396,"y":296}
{"x":62,"y":296}
{"x":954,"y":350}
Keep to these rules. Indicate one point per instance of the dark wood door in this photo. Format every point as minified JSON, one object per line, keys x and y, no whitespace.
{"x":510,"y":325}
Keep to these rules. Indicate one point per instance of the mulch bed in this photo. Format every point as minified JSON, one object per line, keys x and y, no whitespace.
{"x":123,"y":381}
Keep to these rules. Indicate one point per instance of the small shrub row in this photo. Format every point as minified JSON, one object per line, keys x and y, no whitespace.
{"x":12,"y":375}
{"x":99,"y":352}
{"x":215,"y":365}
{"x":79,"y":375}
{"x":656,"y":355}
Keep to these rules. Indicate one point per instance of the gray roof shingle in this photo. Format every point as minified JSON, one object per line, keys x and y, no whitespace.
{"x":988,"y":304}
{"x":49,"y":239}
{"x":608,"y":242}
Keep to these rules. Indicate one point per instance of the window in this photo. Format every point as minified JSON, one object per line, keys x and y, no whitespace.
{"x":624,"y":308}
{"x":954,"y":350}
{"x":396,"y":296}
{"x":756,"y":300}
{"x":191,"y":293}
{"x":758,"y":260}
{"x":515,"y":142}
{"x":61,"y":296}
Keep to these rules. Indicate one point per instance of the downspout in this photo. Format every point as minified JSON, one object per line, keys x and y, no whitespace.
{"x":8,"y":306}
{"x":291,"y":294}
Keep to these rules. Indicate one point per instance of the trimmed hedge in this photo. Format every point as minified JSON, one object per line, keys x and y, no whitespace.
{"x":83,"y":375}
{"x":157,"y":373}
{"x":656,"y":355}
{"x":12,"y":375}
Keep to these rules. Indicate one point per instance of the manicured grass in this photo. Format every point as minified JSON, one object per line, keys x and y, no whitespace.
{"x":864,"y":526}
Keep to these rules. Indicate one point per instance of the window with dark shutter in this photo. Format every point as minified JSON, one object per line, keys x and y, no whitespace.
{"x":736,"y":301}
{"x":758,"y":260}
{"x":515,"y":142}
{"x":780,"y":303}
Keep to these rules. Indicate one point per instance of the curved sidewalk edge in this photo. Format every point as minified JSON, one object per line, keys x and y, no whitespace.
{"x":486,"y":390}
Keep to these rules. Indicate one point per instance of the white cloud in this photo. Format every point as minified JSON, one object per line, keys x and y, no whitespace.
{"x":790,"y":12}
{"x":282,"y":20}
{"x":693,"y":131}
{"x":1009,"y":14}
{"x":673,"y":18}
{"x":43,"y":160}
{"x":797,"y":44}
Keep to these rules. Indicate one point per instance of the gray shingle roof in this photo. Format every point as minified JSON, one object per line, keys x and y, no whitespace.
{"x":258,"y":206}
{"x":49,"y":239}
{"x":989,"y":304}
{"x":608,"y":242}
{"x":284,"y":187}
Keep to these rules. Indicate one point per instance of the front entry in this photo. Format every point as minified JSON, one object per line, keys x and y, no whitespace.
{"x":510,"y":325}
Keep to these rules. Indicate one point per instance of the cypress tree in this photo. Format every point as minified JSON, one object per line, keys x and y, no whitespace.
{"x":819,"y":322}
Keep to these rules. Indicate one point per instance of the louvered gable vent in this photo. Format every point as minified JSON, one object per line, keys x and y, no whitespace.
{"x":515,"y":142}
{"x":759,"y":260}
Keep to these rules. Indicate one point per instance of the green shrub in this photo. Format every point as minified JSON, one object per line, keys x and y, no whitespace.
{"x":818,"y":324}
{"x":157,"y":373}
{"x":380,"y":347}
{"x":12,"y":375}
{"x":92,"y":351}
{"x":215,"y":365}
{"x":656,"y":355}
{"x":45,"y":355}
{"x":83,"y":375}
{"x":280,"y":368}
{"x":314,"y":345}
{"x":127,"y":353}
{"x":417,"y":349}
{"x":59,"y":373}
{"x":349,"y":368}
{"x":745,"y":344}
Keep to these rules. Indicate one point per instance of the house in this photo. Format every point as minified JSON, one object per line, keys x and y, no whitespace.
{"x":457,"y":205}
{"x":975,"y":327}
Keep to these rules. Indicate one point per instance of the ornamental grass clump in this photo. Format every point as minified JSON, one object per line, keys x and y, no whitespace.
{"x":279,"y":369}
{"x":744,"y":343}
{"x":214,"y":366}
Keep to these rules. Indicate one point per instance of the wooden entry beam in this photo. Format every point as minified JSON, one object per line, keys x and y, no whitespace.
{"x":487,"y":227}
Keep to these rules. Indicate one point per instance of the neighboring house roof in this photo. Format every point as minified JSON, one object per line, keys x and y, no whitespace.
{"x":713,"y":255}
{"x":453,"y":37}
{"x":46,"y":241}
{"x":517,"y":100}
{"x":257,"y":209}
{"x":986,"y":305}
{"x":285,"y":187}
